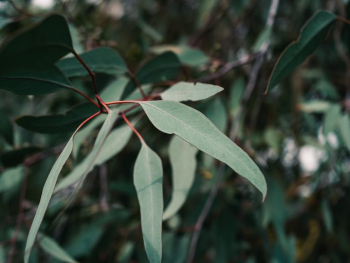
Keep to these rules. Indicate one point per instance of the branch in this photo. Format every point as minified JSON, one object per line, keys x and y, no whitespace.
{"x":233,"y":133}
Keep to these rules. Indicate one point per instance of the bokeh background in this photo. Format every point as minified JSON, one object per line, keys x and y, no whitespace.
{"x":306,"y":161}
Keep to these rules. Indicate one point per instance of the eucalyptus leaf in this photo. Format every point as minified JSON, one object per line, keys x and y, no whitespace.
{"x":115,"y":142}
{"x":39,"y":46}
{"x":192,"y":126}
{"x":183,"y":163}
{"x":161,"y":68}
{"x":57,"y":123}
{"x":99,"y":60}
{"x":53,"y":176}
{"x":184,"y":91}
{"x":11,"y":178}
{"x":51,"y":247}
{"x":216,"y":113}
{"x":311,"y":35}
{"x":148,"y":178}
{"x":344,"y":126}
{"x":331,"y":118}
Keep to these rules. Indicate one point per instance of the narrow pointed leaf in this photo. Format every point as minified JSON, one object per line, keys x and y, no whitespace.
{"x":331,"y":118}
{"x":53,"y":176}
{"x":184,"y":91}
{"x":183,"y":164}
{"x":57,"y":123}
{"x":115,"y":142}
{"x":344,"y":126}
{"x":34,"y":82}
{"x":161,"y":68}
{"x":311,"y":35}
{"x":54,"y":249}
{"x":99,"y":60}
{"x":46,"y":197}
{"x":192,"y":126}
{"x":39,"y":46}
{"x":148,"y":180}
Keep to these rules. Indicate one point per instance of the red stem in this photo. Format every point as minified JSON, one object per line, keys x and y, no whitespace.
{"x":138,"y":84}
{"x":133,"y":128}
{"x":85,"y":96}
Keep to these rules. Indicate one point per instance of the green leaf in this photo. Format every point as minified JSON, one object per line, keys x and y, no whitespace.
{"x":311,"y":35}
{"x":263,"y":37}
{"x":344,"y":126}
{"x":54,"y":249}
{"x":161,"y":68}
{"x":184,"y":91}
{"x":187,"y":55}
{"x":317,"y":106}
{"x":183,"y":163}
{"x":149,"y":30}
{"x":216,"y":113}
{"x":54,"y":173}
{"x":6,"y":129}
{"x":115,"y":142}
{"x":192,"y":126}
{"x":34,"y":82}
{"x":46,"y":197}
{"x":331,"y":118}
{"x":99,"y":60}
{"x":11,"y":178}
{"x":148,"y":180}
{"x":236,"y":95}
{"x":57,"y":123}
{"x":40,"y":46}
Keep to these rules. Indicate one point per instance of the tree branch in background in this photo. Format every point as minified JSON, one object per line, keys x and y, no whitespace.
{"x":233,"y":133}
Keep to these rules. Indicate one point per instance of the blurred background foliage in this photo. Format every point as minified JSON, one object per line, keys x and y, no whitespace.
{"x":298,"y":134}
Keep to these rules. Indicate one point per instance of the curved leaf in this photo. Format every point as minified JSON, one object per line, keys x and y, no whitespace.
{"x":331,"y":118}
{"x":115,"y":142}
{"x":161,"y":68}
{"x":57,"y":123}
{"x":34,"y":82}
{"x":344,"y":127}
{"x":184,"y":91}
{"x":39,"y":46}
{"x":11,"y":178}
{"x":187,"y":55}
{"x":148,"y":180}
{"x":183,"y":163}
{"x":54,"y":249}
{"x":192,"y":126}
{"x":53,"y":176}
{"x":311,"y":35}
{"x":99,"y":60}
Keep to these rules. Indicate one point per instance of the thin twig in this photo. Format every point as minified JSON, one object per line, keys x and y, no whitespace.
{"x":228,"y":67}
{"x":233,"y":132}
{"x":19,"y":217}
{"x":21,"y":11}
{"x":137,"y":83}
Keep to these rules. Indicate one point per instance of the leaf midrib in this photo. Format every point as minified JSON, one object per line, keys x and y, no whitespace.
{"x":203,"y":136}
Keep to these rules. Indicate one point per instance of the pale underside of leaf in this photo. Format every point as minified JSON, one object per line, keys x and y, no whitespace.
{"x":148,"y":178}
{"x":183,"y":91}
{"x":183,"y":163}
{"x":192,"y":126}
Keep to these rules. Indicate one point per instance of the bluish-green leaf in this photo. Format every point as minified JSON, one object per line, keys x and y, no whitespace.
{"x":331,"y":118}
{"x":57,"y":123}
{"x":148,"y":178}
{"x":344,"y":126}
{"x":187,"y":55}
{"x":11,"y":178}
{"x":312,"y":34}
{"x":184,"y":91}
{"x":51,"y":247}
{"x":99,"y":60}
{"x":192,"y":126}
{"x":183,"y":163}
{"x":54,"y":173}
{"x":115,"y":142}
{"x":161,"y":68}
{"x":216,"y":112}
